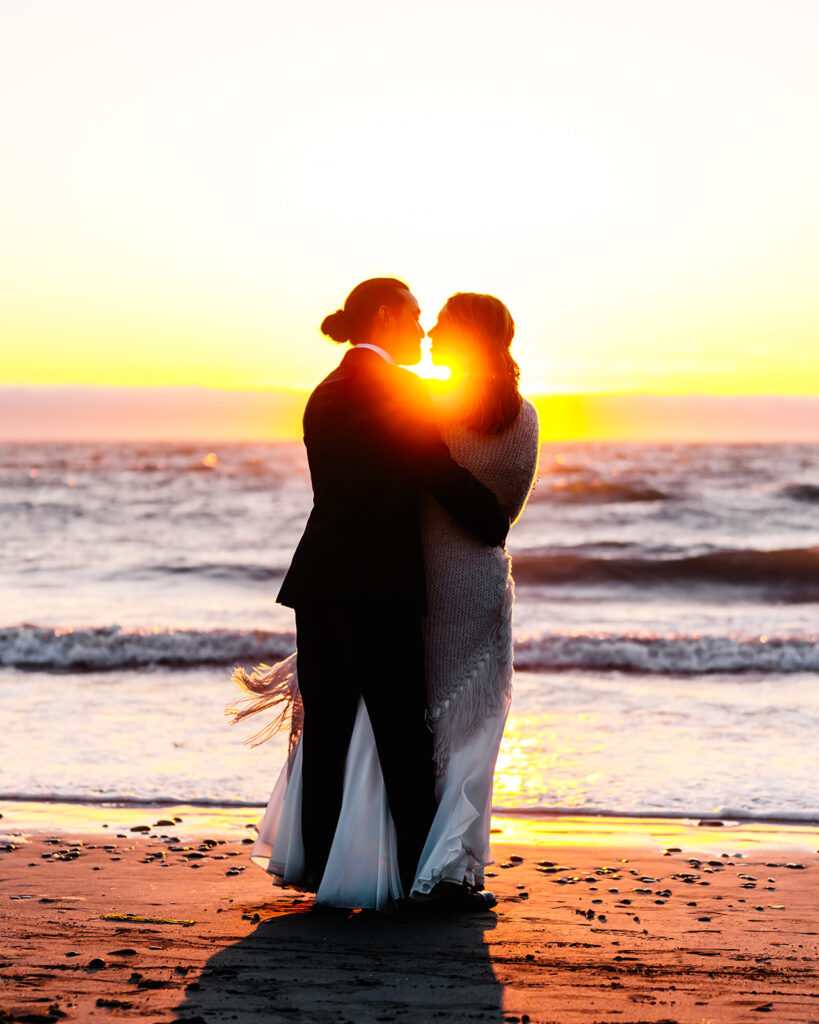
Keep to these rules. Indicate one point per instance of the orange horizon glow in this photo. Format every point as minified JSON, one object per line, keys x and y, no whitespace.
{"x":212,"y":416}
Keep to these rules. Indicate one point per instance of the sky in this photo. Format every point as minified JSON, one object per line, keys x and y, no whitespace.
{"x":189,"y":187}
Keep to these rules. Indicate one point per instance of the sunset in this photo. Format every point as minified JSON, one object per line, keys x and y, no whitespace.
{"x":189,"y":191}
{"x":409,"y":474}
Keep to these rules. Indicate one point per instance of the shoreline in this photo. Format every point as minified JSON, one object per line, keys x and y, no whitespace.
{"x":29,"y":812}
{"x":598,"y":919}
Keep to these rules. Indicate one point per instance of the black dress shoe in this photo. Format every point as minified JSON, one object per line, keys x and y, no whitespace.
{"x":448,"y":898}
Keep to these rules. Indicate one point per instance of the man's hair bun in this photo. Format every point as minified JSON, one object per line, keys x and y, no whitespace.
{"x":336,"y":326}
{"x":354,"y":321}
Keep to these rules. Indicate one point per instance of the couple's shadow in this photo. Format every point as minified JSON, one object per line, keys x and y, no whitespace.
{"x":310,"y":966}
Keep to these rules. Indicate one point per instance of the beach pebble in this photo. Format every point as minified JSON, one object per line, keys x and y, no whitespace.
{"x":516,"y":859}
{"x":796,"y":867}
{"x":164,"y":822}
{"x":140,"y":828}
{"x":122,"y":952}
{"x":703,"y":918}
{"x":96,"y":963}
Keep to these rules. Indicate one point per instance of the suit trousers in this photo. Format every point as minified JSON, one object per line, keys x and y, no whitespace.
{"x":345,"y":652}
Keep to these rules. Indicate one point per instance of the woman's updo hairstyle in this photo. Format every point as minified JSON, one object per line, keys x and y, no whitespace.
{"x":353,"y":322}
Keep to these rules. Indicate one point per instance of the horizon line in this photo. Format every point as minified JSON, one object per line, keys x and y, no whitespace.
{"x":15,"y":385}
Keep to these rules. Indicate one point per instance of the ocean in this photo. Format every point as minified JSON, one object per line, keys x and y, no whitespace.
{"x":666,"y":624}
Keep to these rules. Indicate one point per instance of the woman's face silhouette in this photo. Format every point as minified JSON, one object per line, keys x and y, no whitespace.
{"x":449,"y":345}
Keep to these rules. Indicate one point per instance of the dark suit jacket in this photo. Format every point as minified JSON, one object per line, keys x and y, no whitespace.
{"x":373,"y":447}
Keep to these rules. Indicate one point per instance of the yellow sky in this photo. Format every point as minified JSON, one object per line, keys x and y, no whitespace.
{"x":189,"y":187}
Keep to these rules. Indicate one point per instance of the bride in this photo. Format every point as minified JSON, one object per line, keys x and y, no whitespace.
{"x":493,"y":432}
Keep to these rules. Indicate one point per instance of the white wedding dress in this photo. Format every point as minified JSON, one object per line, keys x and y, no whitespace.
{"x":468,"y":639}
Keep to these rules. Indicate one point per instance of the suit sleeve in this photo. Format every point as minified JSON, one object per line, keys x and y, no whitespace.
{"x":416,"y":441}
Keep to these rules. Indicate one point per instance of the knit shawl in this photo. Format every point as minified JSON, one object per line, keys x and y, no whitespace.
{"x":468,"y":631}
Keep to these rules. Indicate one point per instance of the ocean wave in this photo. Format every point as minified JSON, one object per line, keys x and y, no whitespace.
{"x":213,"y":570}
{"x":734,"y":566}
{"x":595,"y":491}
{"x":112,"y":647}
{"x":680,"y":654}
{"x":801,"y":492}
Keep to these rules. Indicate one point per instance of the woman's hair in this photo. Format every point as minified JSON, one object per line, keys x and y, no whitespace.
{"x":487,"y":327}
{"x":353,"y":322}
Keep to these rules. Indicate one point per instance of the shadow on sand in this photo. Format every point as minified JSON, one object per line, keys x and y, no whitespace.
{"x":313,"y":966}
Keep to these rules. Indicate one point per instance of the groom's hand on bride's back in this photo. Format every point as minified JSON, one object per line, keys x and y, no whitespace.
{"x":412,"y":435}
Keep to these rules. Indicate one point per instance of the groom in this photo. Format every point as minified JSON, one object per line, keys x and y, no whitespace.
{"x":356,"y":581}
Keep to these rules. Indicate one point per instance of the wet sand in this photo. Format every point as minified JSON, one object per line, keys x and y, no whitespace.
{"x":599,"y":919}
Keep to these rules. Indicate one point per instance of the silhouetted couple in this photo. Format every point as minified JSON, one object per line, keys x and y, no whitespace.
{"x":401,"y":682}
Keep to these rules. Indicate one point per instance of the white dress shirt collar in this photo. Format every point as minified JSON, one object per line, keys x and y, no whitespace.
{"x":375,"y":348}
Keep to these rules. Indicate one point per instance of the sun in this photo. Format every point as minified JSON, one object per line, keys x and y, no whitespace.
{"x":429,"y":370}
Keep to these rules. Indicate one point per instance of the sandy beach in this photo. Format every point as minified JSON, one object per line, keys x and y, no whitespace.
{"x":160,"y":916}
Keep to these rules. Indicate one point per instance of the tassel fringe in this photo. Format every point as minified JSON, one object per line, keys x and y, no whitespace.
{"x":482,"y":692}
{"x":267,"y":688}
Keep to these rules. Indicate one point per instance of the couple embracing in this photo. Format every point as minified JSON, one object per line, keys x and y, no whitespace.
{"x":399,"y":689}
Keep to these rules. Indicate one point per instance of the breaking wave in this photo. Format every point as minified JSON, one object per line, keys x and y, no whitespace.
{"x":682,"y":654}
{"x":111,"y":647}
